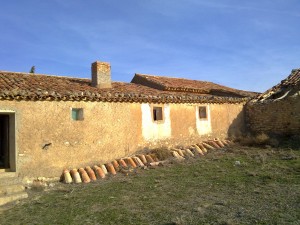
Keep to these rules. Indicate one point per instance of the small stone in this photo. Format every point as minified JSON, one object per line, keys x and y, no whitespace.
{"x":199,"y":210}
{"x":237,"y":163}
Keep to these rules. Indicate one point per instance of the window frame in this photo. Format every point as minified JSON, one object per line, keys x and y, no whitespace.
{"x":200,"y":114}
{"x":154,"y":118}
{"x":79,"y":114}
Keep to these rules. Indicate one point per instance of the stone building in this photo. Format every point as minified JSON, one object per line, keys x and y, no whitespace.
{"x":48,"y":123}
{"x":277,"y":111}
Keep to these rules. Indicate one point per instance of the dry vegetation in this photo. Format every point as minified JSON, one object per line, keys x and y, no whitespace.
{"x":264,"y":140}
{"x":236,"y":185}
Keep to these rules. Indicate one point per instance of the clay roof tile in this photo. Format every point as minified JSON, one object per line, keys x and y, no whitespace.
{"x":285,"y":88}
{"x":16,"y":86}
{"x":186,"y":85}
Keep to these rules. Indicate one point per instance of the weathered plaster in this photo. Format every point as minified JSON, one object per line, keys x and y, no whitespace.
{"x":109,"y":130}
{"x":155,"y":130}
{"x":48,"y":140}
{"x":203,"y":125}
{"x":227,"y":119}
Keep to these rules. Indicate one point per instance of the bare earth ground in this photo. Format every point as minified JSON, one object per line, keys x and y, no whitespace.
{"x":236,"y":185}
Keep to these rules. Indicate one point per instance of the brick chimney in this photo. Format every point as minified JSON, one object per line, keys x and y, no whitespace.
{"x":101,"y":75}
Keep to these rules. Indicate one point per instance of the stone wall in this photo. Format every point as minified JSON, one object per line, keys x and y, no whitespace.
{"x":48,"y":140}
{"x":274,"y":117}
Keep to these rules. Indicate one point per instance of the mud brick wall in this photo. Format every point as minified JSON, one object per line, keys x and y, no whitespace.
{"x":49,"y":140}
{"x":274,"y":117}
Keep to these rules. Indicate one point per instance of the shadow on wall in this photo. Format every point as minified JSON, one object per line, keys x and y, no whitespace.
{"x":238,"y":126}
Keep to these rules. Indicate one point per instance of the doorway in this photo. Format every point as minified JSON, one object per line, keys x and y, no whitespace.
{"x":7,"y":142}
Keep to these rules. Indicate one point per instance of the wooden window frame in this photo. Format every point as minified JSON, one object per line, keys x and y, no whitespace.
{"x":159,"y":117}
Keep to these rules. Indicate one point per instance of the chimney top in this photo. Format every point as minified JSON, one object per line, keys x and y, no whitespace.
{"x":101,"y":76}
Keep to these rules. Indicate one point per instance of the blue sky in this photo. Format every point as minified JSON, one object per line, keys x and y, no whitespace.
{"x":249,"y":45}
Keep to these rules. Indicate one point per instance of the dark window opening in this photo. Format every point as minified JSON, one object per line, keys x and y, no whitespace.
{"x":77,"y":114}
{"x":157,"y":113}
{"x":202,"y":112}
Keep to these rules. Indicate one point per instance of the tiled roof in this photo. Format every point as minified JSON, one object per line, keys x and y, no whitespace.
{"x":25,"y":86}
{"x":288,"y":87}
{"x":186,"y":85}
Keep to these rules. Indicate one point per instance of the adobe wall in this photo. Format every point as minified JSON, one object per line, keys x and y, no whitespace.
{"x":227,"y":119}
{"x":108,"y":131}
{"x":274,"y":117}
{"x":223,"y":120}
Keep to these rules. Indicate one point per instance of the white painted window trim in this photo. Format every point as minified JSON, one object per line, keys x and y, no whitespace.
{"x":203,"y":125}
{"x":162,"y":106}
{"x":155,"y":130}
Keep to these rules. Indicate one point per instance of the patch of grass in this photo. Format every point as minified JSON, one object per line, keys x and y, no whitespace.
{"x":263,"y":188}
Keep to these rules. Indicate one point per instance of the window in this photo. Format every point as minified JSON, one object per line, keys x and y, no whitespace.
{"x":157,"y":113}
{"x":77,"y":114}
{"x":202,"y":112}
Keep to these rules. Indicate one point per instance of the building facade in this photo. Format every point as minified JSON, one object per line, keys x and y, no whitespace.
{"x":49,"y":123}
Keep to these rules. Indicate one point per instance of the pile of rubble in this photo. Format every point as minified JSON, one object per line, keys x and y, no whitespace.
{"x":126,"y":165}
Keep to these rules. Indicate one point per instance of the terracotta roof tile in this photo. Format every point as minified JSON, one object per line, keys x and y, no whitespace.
{"x":287,"y":87}
{"x":186,"y":85}
{"x":25,"y":86}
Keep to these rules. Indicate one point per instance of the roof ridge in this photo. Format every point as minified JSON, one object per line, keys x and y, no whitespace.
{"x":42,"y":74}
{"x":199,"y":81}
{"x":295,"y":70}
{"x":167,"y":76}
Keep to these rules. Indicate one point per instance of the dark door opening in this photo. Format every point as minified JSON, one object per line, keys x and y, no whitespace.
{"x":4,"y":142}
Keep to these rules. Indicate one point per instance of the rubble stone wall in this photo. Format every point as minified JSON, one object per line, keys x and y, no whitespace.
{"x":274,"y":117}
